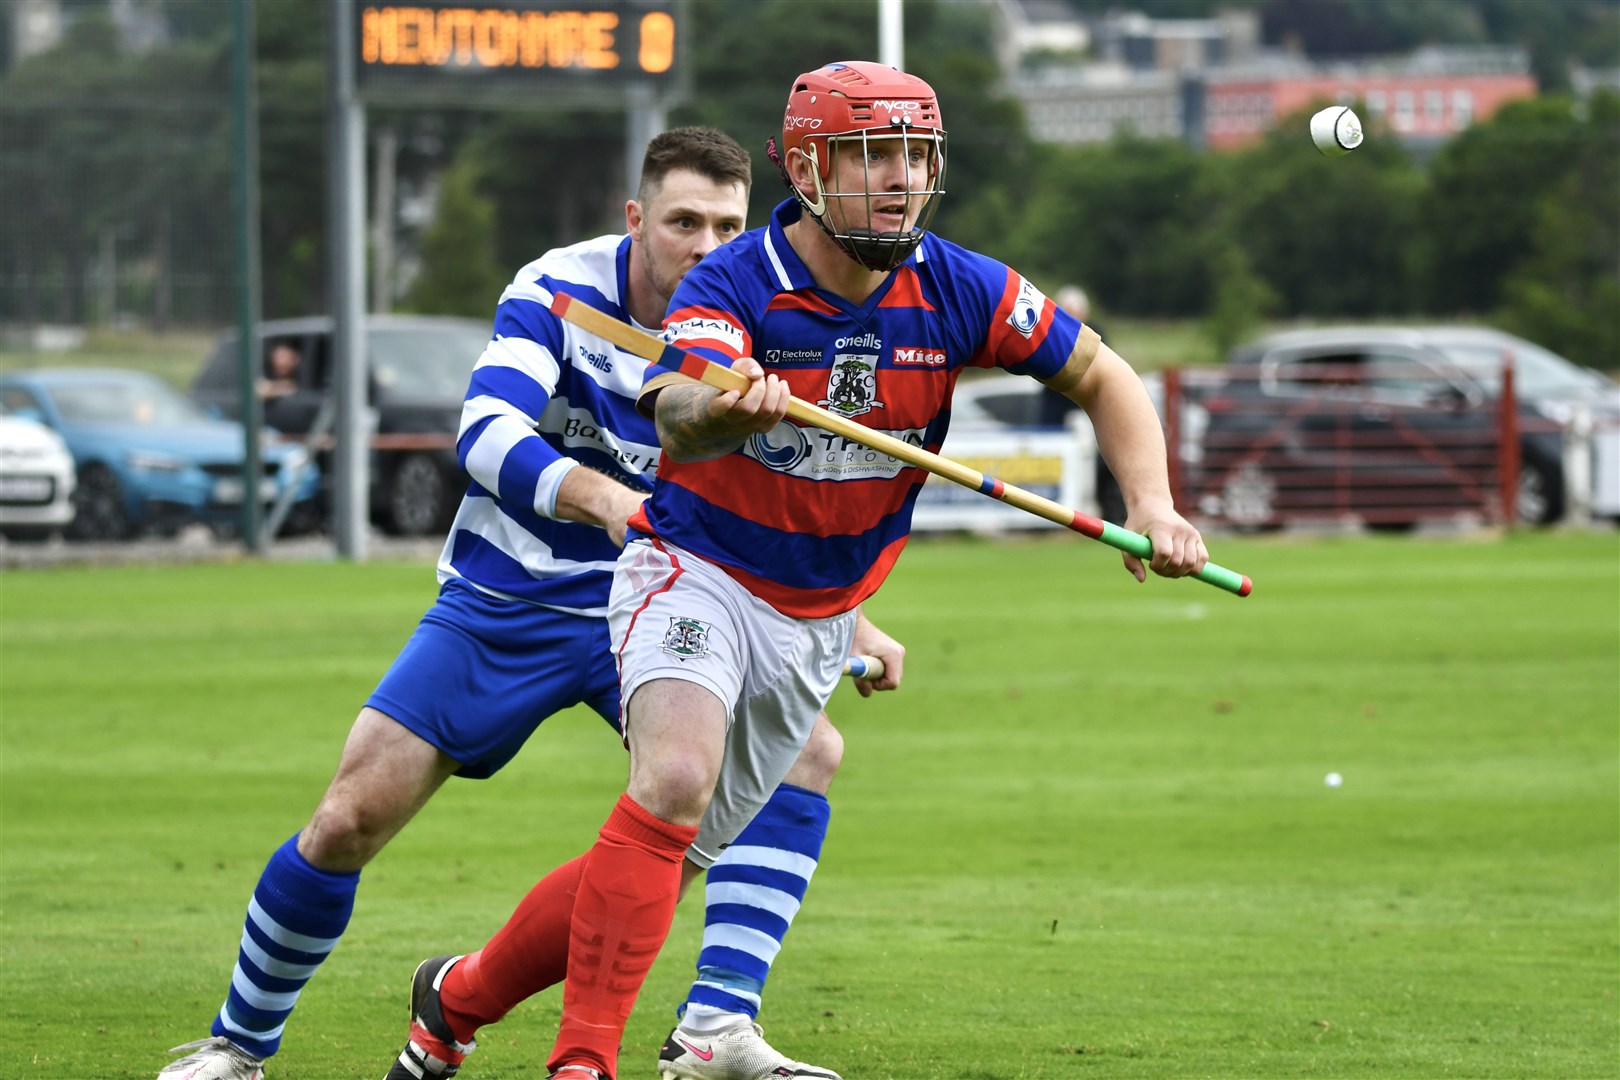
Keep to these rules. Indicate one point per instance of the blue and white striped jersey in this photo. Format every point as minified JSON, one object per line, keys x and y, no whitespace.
{"x":547,"y":397}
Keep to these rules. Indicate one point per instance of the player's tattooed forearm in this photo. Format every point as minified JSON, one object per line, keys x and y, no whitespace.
{"x":685,"y":428}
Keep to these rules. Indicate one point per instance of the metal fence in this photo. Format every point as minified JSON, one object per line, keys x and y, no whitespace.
{"x":115,"y":187}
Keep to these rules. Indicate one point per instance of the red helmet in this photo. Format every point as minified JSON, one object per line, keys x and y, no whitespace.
{"x":845,"y":106}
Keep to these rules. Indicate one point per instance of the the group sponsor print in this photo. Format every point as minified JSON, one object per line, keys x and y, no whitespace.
{"x":820,"y":455}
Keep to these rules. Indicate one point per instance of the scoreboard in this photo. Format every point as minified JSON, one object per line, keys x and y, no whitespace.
{"x":479,"y":51}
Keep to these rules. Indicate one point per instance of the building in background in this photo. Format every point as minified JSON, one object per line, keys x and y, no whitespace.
{"x":1424,"y":98}
{"x":1029,"y":30}
{"x":1213,"y":83}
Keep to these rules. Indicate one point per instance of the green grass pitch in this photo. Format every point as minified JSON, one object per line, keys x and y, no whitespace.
{"x":1089,"y":838}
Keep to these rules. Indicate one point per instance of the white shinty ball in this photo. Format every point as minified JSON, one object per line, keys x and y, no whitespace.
{"x":1332,"y":779}
{"x":1336,"y":130}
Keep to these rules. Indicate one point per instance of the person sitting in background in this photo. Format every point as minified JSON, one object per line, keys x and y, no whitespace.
{"x":281,"y":364}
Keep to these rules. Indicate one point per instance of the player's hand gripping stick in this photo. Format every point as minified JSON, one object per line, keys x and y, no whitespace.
{"x":650,"y":347}
{"x":863,"y":667}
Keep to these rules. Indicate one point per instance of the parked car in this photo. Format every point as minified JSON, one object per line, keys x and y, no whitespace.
{"x":1409,"y":389}
{"x":36,"y":478}
{"x":1558,"y":389}
{"x":1452,"y":384}
{"x":146,"y":457}
{"x":998,"y":401}
{"x":418,"y":369}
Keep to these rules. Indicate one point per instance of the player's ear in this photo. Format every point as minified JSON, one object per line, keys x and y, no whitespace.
{"x":633,"y":220}
{"x":801,"y":170}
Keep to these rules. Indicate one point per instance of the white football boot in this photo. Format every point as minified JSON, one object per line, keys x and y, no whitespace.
{"x":737,"y":1053}
{"x":215,"y":1058}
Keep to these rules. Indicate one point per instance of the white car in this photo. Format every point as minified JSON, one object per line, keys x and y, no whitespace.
{"x":37,"y":479}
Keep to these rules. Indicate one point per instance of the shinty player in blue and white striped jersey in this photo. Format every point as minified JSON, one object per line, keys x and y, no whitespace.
{"x":558,"y":459}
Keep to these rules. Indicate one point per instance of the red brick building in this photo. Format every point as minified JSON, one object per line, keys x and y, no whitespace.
{"x":1430,"y":96}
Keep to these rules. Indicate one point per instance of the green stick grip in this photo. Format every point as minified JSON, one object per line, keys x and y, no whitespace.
{"x":1140,"y":546}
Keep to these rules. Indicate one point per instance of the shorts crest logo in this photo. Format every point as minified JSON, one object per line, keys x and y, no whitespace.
{"x":686,"y":639}
{"x":852,"y":385}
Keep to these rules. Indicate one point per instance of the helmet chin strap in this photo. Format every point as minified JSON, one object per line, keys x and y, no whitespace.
{"x":878,"y":250}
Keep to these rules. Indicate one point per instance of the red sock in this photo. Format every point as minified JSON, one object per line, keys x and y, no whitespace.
{"x":524,"y":957}
{"x":622,"y":914}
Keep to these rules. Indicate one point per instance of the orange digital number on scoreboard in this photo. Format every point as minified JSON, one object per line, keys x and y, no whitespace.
{"x":657,"y":42}
{"x":496,"y":38}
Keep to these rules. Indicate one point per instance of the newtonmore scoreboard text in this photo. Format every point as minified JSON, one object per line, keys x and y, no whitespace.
{"x":610,"y":42}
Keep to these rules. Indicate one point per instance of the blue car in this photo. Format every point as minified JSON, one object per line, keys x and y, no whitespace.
{"x":148,"y":458}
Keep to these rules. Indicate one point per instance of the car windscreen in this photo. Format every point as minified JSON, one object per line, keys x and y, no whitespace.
{"x":427,"y":363}
{"x":123,"y":401}
{"x":1536,"y":372}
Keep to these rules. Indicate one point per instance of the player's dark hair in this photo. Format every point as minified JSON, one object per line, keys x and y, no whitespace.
{"x":709,"y":152}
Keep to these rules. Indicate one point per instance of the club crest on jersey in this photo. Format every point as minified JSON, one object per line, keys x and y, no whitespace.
{"x":1027,"y":307}
{"x":686,"y":639}
{"x":852,"y":385}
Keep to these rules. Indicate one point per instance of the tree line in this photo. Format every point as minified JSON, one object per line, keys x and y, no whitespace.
{"x":120,"y":162}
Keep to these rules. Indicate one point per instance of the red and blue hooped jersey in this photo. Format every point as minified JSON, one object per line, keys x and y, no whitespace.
{"x":806,"y":520}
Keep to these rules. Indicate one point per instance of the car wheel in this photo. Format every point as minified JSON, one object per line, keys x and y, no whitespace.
{"x":98,"y":506}
{"x":418,"y":498}
{"x":28,"y":534}
{"x":1539,"y":499}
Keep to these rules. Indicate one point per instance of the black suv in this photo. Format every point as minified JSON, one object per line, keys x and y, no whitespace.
{"x":418,"y":368}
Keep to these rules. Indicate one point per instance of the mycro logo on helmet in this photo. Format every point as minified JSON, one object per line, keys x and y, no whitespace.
{"x":898,"y":106}
{"x":811,"y":122}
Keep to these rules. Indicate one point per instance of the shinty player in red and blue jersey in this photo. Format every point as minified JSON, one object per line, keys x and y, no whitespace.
{"x":804,"y":519}
{"x":844,"y":299}
{"x":762,"y":537}
{"x":874,"y":324}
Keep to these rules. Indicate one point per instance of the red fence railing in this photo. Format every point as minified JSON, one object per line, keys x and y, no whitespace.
{"x":1382,"y":445}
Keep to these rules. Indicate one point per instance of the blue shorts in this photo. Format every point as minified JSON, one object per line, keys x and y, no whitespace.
{"x":480,"y":674}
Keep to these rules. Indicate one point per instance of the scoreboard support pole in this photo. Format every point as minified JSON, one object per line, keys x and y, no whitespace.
{"x":346,"y":260}
{"x":644,"y":118}
{"x":383,"y":51}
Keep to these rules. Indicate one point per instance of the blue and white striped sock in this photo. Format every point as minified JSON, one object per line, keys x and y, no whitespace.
{"x":294,"y":920}
{"x":752,"y":893}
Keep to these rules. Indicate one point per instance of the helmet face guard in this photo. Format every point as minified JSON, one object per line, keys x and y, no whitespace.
{"x":871,"y":248}
{"x":866,"y":113}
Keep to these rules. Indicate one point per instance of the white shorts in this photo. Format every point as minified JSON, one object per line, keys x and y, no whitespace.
{"x":673,"y":615}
